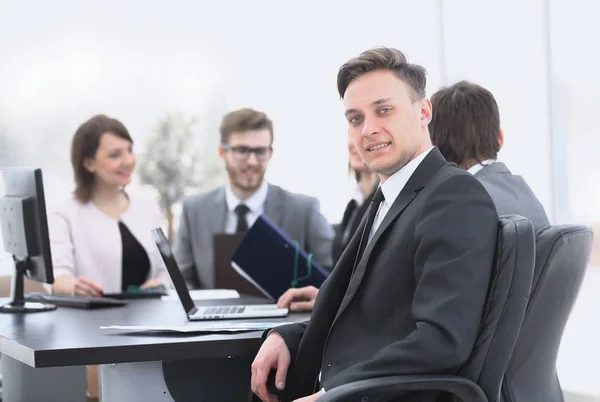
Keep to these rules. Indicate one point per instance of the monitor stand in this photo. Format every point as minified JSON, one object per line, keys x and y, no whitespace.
{"x":18,"y":303}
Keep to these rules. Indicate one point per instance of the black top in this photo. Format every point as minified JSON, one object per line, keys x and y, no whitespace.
{"x":350,"y":221}
{"x":136,"y":265}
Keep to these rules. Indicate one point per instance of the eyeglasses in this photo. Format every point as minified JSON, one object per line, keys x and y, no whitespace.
{"x":242,"y":153}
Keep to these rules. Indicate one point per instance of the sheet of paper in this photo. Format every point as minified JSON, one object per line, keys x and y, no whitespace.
{"x":209,"y":326}
{"x":206,"y":294}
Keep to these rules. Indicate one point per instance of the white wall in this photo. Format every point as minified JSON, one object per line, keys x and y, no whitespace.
{"x":139,"y":61}
{"x":576,"y":85}
{"x":501,"y":46}
{"x":286,"y":63}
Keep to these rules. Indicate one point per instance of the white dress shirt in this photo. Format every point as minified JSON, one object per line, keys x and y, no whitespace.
{"x":392,"y":187}
{"x":476,"y":168}
{"x":256,"y":204}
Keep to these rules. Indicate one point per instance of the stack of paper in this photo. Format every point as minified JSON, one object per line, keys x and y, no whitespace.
{"x":211,"y":326}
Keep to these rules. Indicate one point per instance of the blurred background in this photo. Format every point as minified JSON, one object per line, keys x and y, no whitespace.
{"x":171,"y":70}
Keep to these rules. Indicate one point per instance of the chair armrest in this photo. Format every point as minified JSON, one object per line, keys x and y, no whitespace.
{"x":379,"y":389}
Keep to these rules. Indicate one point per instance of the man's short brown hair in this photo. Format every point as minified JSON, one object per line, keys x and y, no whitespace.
{"x":383,"y":58}
{"x":244,"y":120}
{"x":465,"y":124}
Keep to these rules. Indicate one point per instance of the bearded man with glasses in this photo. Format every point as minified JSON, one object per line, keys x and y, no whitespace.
{"x":246,"y":148}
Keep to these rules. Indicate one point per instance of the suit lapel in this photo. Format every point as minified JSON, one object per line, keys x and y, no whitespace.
{"x":362,"y":211}
{"x":404,"y":199}
{"x":335,"y":286}
{"x":274,"y":204}
{"x":350,"y":207}
{"x":328,"y":303}
{"x":432,"y":162}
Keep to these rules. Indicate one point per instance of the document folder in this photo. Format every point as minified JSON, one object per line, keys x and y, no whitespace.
{"x":269,"y":259}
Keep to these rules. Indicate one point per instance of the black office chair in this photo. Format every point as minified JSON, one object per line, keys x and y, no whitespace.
{"x":562,"y":256}
{"x":480,"y":379}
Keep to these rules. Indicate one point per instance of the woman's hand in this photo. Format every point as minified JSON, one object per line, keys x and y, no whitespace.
{"x":151,"y":283}
{"x":87,"y":287}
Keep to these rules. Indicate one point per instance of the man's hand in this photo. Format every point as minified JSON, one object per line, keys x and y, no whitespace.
{"x":310,"y":398}
{"x":273,"y":354}
{"x":302,"y":299}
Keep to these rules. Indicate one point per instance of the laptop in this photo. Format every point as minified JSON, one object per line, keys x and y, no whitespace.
{"x":201,"y":313}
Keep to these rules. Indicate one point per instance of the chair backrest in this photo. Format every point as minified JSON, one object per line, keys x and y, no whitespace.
{"x":505,"y":308}
{"x":562,"y":256}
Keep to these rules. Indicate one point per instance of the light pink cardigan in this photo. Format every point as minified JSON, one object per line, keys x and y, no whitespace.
{"x":86,"y":242}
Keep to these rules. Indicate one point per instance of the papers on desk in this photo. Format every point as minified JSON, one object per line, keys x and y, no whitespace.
{"x":196,"y":327}
{"x":206,"y":294}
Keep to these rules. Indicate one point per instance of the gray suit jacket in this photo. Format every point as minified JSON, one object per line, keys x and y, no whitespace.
{"x":204,"y":215}
{"x":511,"y":194}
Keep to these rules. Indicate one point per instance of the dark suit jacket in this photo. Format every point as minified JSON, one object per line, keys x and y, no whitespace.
{"x":415,"y":302}
{"x":511,"y":194}
{"x":350,"y":221}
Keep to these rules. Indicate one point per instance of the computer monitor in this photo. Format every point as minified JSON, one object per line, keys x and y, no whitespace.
{"x":25,"y":233}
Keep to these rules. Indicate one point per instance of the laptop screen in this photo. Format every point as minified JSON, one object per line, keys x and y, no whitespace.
{"x":176,"y":276}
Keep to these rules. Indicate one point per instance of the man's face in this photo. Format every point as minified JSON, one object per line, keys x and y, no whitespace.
{"x":247,"y":156}
{"x":387,"y":127}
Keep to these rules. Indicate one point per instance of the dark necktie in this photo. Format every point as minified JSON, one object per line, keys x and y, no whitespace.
{"x":364,"y":237}
{"x":242,"y":224}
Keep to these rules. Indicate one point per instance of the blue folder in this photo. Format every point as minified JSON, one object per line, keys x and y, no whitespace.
{"x":269,"y":259}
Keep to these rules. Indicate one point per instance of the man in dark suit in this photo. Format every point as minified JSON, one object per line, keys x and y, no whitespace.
{"x":407,"y":295}
{"x":246,"y":148}
{"x":466,"y":128}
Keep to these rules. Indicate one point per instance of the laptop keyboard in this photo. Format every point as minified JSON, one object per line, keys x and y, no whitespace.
{"x":224,"y":310}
